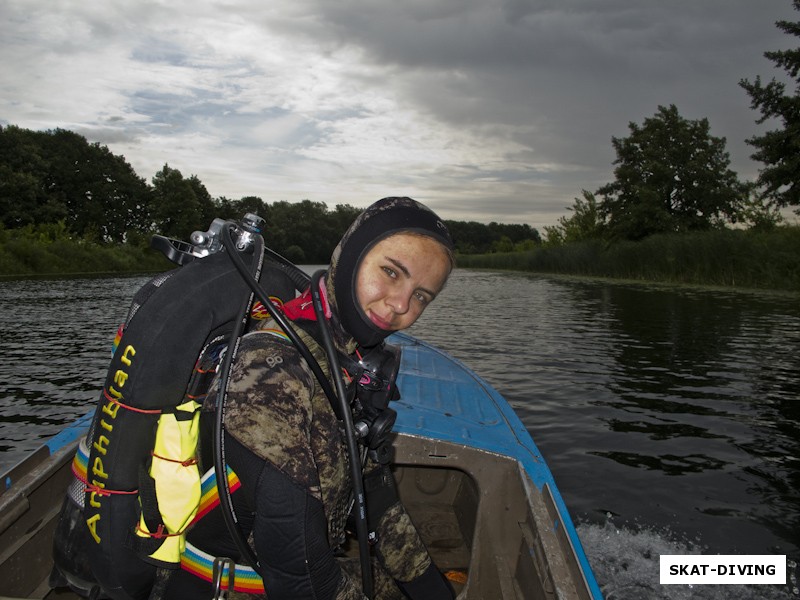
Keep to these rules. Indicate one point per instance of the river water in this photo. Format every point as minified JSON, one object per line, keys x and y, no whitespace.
{"x":670,"y":417}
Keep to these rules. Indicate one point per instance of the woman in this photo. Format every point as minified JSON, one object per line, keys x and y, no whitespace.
{"x":283,"y":438}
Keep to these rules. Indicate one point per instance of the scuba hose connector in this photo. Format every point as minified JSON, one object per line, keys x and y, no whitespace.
{"x":243,"y":234}
{"x":251,"y":226}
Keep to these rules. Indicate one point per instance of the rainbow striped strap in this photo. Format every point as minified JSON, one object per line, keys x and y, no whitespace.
{"x":201,"y":564}
{"x":209,"y":495}
{"x":272,"y":331}
{"x":80,"y":463}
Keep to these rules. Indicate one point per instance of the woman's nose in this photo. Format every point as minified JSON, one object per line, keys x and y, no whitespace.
{"x":398,"y":301}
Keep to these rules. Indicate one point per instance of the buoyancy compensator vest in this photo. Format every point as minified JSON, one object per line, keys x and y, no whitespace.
{"x":137,"y":483}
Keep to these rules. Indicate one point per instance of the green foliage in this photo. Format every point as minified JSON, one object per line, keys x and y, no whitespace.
{"x":750,"y":258}
{"x":584,"y":224}
{"x":307,"y":230}
{"x":672,"y":175}
{"x":24,"y":197}
{"x":68,"y":206}
{"x":295,"y":254}
{"x":51,"y":249}
{"x":525,"y":245}
{"x":180,"y":206}
{"x":504,"y":244}
{"x":57,"y":177}
{"x":46,"y":177}
{"x":779,"y":149}
{"x":471,"y":237}
{"x":758,"y":214}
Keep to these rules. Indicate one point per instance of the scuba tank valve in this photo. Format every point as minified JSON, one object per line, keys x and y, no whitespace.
{"x":205,"y":243}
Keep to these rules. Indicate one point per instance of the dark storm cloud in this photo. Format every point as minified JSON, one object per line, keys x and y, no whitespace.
{"x":565,"y":67}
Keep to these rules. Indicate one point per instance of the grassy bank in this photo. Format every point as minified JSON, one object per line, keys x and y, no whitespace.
{"x":48,"y":251}
{"x":731,"y":258}
{"x":747,"y":259}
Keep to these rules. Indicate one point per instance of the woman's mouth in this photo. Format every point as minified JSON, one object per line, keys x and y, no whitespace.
{"x":380,"y":322}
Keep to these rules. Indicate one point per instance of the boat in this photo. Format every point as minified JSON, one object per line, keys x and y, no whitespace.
{"x":468,"y":472}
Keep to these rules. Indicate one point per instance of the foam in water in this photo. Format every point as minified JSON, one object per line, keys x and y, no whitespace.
{"x":626,"y":564}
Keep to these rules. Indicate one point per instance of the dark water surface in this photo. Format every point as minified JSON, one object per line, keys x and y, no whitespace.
{"x":670,"y":417}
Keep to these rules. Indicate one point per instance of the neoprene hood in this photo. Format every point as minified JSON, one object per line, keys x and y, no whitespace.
{"x":382,"y":219}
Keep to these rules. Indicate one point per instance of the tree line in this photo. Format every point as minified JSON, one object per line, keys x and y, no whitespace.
{"x":52,"y":177}
{"x":672,"y":175}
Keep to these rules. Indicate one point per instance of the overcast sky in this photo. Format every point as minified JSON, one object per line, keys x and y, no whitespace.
{"x":486,"y":110}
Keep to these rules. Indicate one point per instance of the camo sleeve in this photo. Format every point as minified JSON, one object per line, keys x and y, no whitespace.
{"x":269,"y":409}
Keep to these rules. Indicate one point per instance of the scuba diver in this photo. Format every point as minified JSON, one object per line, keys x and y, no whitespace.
{"x":283,"y":438}
{"x":291,"y":405}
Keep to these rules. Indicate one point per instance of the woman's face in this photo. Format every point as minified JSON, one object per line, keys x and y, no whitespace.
{"x":399,"y":277}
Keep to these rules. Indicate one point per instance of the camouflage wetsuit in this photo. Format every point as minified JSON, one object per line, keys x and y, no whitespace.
{"x":284,"y":442}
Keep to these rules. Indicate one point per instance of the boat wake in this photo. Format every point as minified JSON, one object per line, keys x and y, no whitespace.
{"x":626,"y":564}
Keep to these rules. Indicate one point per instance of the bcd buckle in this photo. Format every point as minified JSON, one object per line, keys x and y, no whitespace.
{"x":218,"y":572}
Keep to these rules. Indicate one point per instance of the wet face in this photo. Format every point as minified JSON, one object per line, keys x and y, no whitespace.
{"x":399,"y":277}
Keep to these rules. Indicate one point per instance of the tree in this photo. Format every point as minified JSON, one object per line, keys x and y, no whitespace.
{"x":252,"y":204}
{"x":584,"y":224}
{"x":671,"y":175}
{"x":306,"y":225}
{"x":177,"y":211}
{"x":205,"y":205}
{"x":779,"y":149}
{"x":504,"y":244}
{"x":23,"y":197}
{"x":470,"y":237}
{"x":234,"y":210}
{"x":343,"y":215}
{"x":53,"y":176}
{"x":758,"y":214}
{"x":515,"y":232}
{"x":312,"y":230}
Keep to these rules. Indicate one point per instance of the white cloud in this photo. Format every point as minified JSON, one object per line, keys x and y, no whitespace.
{"x":498,"y":110}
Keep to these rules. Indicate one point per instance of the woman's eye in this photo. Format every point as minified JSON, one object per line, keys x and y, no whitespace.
{"x":421,"y":298}
{"x":390,"y":272}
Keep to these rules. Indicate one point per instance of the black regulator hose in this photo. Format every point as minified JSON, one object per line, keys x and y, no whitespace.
{"x":218,"y":439}
{"x":362,"y":530}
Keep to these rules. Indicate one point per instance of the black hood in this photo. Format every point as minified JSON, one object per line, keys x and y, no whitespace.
{"x":384,"y":218}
